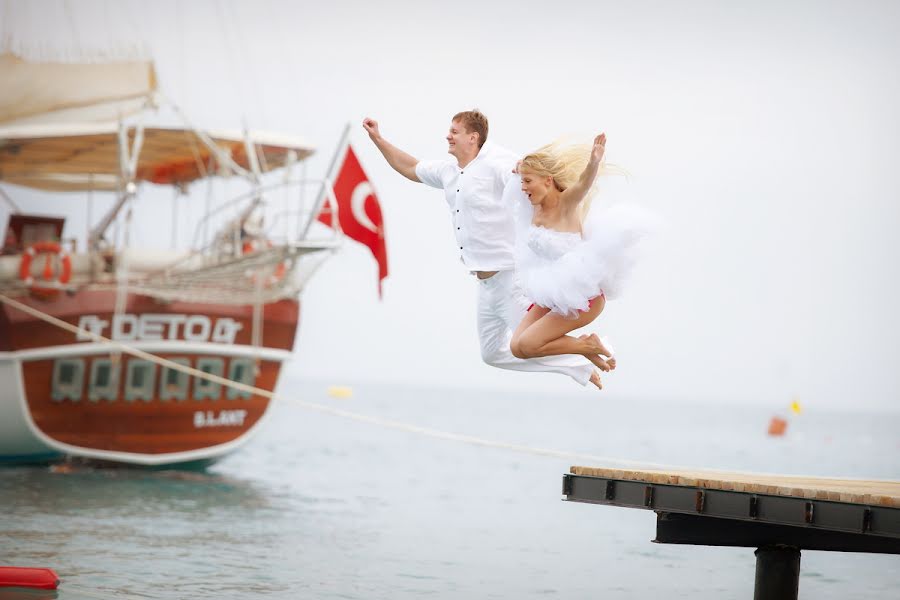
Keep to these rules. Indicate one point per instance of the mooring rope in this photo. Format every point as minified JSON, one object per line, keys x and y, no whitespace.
{"x":338,"y":412}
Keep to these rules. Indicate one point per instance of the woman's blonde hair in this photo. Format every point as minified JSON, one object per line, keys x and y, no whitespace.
{"x":564,"y":163}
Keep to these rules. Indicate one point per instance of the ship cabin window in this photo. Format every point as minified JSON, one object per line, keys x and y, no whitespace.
{"x":173,"y":385}
{"x":204,"y":388}
{"x":24,"y":230}
{"x":68,"y":378}
{"x":104,"y":381}
{"x":242,"y":370}
{"x":140,"y":383}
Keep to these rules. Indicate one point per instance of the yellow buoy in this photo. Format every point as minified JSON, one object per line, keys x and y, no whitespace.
{"x":340,"y":391}
{"x":795,"y":407}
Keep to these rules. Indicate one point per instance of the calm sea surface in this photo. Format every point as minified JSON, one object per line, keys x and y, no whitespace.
{"x":316,"y":506}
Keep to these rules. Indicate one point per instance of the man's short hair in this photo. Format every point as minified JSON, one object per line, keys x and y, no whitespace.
{"x":474,"y":122}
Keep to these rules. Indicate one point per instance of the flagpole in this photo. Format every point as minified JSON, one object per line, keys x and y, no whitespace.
{"x":329,"y":181}
{"x":345,"y":138}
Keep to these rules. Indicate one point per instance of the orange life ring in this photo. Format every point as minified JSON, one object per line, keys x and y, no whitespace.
{"x":52,"y":285}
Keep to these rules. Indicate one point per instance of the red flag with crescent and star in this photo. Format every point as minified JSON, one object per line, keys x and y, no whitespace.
{"x":358,"y":210}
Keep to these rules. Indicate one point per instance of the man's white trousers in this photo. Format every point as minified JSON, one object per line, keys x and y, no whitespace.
{"x":501,"y":306}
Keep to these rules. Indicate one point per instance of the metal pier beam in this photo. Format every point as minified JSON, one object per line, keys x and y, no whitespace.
{"x":777,"y":515}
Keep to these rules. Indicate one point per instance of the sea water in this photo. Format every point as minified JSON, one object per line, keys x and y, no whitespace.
{"x":319,"y":506}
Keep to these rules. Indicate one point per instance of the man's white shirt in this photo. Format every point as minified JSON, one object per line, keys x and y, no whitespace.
{"x":482,"y":222}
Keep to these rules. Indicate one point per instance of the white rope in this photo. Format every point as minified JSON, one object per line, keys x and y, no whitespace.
{"x":346,"y":414}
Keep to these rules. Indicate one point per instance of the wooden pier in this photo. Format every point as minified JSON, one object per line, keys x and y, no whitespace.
{"x":778,"y":515}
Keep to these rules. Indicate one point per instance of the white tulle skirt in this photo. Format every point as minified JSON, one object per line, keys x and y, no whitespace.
{"x":564,"y":275}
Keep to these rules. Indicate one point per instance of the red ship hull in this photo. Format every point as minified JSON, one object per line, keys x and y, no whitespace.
{"x":72,"y":396}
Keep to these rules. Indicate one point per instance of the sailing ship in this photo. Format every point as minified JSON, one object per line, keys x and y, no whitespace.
{"x":228,"y":307}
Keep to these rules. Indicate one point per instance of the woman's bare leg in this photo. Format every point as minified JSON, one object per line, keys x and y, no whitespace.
{"x":583,"y":345}
{"x":589,"y":346}
{"x":546,"y":335}
{"x":530,"y":318}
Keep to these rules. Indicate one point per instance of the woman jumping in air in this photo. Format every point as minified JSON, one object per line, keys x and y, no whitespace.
{"x":568,"y":266}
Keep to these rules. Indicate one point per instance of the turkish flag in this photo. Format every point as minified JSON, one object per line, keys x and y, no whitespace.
{"x":358,"y":211}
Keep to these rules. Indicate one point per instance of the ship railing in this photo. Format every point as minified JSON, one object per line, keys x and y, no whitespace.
{"x":254,"y":217}
{"x":263,"y":276}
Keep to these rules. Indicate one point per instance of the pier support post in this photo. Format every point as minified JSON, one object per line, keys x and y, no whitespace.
{"x":777,"y":573}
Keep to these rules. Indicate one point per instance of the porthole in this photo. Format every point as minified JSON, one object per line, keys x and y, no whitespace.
{"x":203,"y":388}
{"x":68,"y":379}
{"x":173,"y":385}
{"x":241,"y":370}
{"x":140,"y":381}
{"x":104,"y":380}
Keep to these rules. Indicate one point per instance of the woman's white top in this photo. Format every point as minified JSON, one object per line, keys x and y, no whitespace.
{"x":564,"y":271}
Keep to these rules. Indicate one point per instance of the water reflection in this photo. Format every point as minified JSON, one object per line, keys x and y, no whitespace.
{"x":114,"y":530}
{"x":120,"y":491}
{"x":27,"y":594}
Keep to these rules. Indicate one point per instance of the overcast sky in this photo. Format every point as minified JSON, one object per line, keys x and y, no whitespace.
{"x":765,"y":133}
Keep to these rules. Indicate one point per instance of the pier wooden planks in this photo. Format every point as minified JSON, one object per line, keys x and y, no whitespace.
{"x":880,"y":493}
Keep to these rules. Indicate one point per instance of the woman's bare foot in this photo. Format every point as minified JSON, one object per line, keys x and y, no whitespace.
{"x":595,"y":379}
{"x":595,"y":351}
{"x":598,"y":361}
{"x":596,"y":346}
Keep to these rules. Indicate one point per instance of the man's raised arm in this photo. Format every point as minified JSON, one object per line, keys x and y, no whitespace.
{"x":402,"y":162}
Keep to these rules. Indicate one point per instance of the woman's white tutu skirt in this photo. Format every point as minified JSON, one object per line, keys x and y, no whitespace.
{"x":564,"y":275}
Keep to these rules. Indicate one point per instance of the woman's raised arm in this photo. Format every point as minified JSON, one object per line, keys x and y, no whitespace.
{"x":580,"y":188}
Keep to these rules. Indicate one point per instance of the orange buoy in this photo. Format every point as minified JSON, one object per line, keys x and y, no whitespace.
{"x":31,"y":577}
{"x":52,"y":286}
{"x":777,"y":426}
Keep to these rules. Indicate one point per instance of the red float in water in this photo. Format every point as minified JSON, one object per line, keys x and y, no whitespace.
{"x":777,"y":426}
{"x":31,"y":577}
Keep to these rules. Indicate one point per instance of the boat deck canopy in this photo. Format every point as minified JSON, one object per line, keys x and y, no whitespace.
{"x":76,"y":156}
{"x":54,"y":92}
